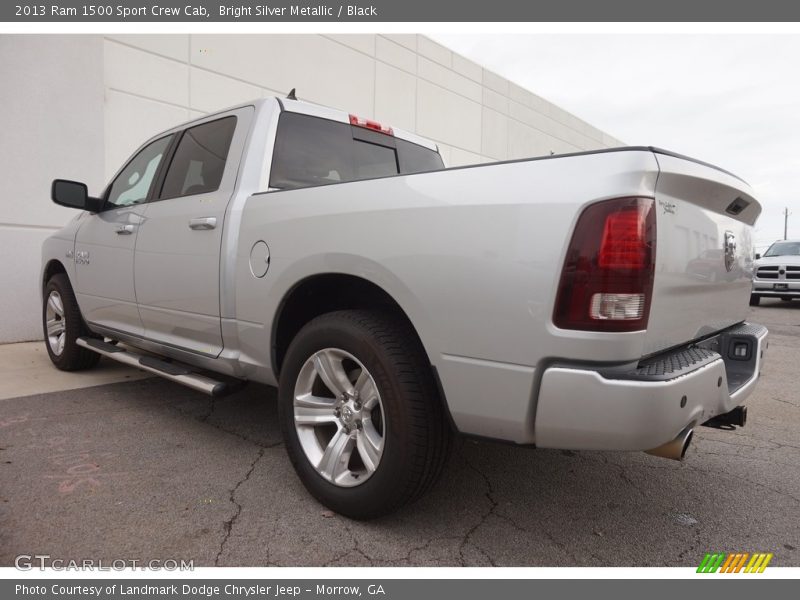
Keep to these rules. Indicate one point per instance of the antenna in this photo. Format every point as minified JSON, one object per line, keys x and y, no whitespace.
{"x":786,"y":214}
{"x":292,"y":95}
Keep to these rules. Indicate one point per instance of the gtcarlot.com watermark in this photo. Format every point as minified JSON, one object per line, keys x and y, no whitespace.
{"x":29,"y":562}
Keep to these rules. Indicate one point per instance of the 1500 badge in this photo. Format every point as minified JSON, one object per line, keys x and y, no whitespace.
{"x":668,"y":207}
{"x":81,"y":257}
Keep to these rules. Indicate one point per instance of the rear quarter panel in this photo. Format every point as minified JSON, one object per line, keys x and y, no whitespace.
{"x":472,"y":255}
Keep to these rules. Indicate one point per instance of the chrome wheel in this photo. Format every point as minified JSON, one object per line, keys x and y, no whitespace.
{"x":56,"y":323}
{"x":339,"y":417}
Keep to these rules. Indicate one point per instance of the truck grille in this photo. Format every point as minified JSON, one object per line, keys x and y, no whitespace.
{"x":792,"y":272}
{"x":770,"y":272}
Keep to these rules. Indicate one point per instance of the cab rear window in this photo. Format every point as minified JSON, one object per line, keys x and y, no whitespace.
{"x":312,"y":151}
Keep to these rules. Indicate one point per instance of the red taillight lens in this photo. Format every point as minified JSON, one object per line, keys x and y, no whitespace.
{"x":607,"y":280}
{"x":623,"y":244}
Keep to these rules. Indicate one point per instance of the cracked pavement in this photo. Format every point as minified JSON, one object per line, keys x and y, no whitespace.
{"x":150,"y":470}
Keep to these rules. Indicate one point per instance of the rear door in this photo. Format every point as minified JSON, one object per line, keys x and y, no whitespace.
{"x":177,"y":260}
{"x":704,"y":257}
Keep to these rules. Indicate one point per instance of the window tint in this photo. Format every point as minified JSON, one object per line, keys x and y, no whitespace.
{"x":372,"y":160}
{"x":132,"y":185}
{"x":199,"y":160}
{"x":313,"y":151}
{"x":417,"y":159}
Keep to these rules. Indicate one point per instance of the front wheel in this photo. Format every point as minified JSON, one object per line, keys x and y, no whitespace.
{"x":63,"y":325}
{"x":363,"y":424}
{"x":755,"y":300}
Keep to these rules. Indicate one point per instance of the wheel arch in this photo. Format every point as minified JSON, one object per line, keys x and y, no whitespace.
{"x":321,"y":293}
{"x":53,"y":267}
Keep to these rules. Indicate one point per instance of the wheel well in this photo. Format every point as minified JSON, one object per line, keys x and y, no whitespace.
{"x":52,"y":268}
{"x":321,"y":294}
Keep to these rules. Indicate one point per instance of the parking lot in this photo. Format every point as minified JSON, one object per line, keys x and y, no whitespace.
{"x":146,"y":469}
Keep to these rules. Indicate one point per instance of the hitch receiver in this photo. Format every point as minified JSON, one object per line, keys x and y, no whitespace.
{"x":738,"y":416}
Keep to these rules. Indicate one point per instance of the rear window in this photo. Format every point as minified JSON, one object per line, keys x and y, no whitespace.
{"x":312,"y":151}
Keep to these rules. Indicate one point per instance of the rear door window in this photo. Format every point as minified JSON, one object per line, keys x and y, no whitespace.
{"x":199,"y":160}
{"x":312,"y":151}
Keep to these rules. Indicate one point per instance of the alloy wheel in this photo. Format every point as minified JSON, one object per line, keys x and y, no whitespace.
{"x":56,"y":323}
{"x":339,"y":417}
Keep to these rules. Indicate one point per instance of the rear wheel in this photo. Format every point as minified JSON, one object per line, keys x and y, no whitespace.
{"x":363,"y":424}
{"x":63,"y":324}
{"x":755,"y":300}
{"x":786,"y":299}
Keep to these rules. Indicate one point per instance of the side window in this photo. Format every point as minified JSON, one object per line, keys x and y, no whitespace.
{"x":199,"y":160}
{"x":132,"y":185}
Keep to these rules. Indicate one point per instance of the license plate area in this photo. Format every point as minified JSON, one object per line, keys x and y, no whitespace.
{"x":780,"y":286}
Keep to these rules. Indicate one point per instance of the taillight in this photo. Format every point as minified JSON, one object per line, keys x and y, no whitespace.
{"x":369,"y":124}
{"x":607,"y":280}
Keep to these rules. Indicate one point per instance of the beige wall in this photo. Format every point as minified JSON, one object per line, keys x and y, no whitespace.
{"x":77,"y":106}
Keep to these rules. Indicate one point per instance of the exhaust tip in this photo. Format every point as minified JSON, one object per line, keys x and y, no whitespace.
{"x":686,"y":442}
{"x":676,"y":448}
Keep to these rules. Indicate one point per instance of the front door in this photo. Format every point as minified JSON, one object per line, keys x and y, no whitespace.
{"x":104,"y":245}
{"x":177,"y":265}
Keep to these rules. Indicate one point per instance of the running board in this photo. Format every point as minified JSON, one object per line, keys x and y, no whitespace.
{"x":176,"y":372}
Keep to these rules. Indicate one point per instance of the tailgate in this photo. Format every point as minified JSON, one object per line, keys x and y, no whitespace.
{"x":704,"y":256}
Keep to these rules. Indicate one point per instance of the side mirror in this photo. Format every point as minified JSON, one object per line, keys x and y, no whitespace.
{"x":758,"y":256}
{"x":74,"y":194}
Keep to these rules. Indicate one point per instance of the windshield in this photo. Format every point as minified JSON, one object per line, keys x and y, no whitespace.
{"x":784,"y":249}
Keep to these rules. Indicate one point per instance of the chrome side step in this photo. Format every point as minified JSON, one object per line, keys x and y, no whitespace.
{"x":173,"y":371}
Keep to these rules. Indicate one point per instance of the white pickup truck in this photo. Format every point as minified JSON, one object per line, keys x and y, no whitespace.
{"x":548,"y":301}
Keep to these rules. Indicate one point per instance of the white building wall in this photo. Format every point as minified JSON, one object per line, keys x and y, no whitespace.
{"x":77,"y":106}
{"x":51,"y":107}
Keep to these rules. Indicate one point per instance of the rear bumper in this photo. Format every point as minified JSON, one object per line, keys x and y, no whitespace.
{"x":641,"y":406}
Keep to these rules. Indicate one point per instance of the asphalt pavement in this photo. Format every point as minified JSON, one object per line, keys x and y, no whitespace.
{"x":148,"y":470}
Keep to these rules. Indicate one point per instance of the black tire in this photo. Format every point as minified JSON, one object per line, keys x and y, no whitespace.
{"x":755,"y":300}
{"x":72,"y":357}
{"x":417,"y":433}
{"x":785,"y":299}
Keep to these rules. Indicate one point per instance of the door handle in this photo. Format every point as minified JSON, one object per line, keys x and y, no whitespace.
{"x":201,"y":223}
{"x":125,"y":230}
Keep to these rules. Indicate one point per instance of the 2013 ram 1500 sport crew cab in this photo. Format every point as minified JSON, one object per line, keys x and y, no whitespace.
{"x":543,"y":302}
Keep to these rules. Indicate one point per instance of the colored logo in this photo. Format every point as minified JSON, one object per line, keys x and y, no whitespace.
{"x":738,"y":562}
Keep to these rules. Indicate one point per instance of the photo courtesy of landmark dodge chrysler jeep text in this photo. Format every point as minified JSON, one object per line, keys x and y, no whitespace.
{"x":547,"y":301}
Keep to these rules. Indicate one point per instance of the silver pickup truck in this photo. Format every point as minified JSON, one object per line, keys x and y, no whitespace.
{"x":548,"y":301}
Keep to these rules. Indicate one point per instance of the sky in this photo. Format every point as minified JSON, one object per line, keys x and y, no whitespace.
{"x":731,"y":100}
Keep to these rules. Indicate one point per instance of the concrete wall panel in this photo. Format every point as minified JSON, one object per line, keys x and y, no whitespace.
{"x":78,"y":106}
